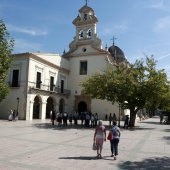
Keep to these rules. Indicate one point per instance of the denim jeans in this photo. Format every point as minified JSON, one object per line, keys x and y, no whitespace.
{"x":114,"y":146}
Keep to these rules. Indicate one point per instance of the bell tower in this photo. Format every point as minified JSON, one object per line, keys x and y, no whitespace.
{"x":85,"y":24}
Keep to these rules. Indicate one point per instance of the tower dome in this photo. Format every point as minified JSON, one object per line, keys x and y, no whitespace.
{"x":117,"y":53}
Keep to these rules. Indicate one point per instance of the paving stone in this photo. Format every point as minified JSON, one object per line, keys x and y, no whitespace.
{"x":36,"y":144}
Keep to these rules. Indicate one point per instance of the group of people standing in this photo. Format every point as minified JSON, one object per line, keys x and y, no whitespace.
{"x":87,"y":118}
{"x":100,"y":137}
{"x":59,"y":118}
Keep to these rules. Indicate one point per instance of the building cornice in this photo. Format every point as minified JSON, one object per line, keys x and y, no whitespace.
{"x":33,"y":56}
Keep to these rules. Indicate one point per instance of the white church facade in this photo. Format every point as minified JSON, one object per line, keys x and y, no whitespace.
{"x":41,"y":82}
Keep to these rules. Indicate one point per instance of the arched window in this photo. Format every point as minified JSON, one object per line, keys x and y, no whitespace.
{"x":81,"y":34}
{"x":85,"y":16}
{"x":89,"y":33}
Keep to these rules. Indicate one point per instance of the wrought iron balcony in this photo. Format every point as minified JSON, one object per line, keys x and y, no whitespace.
{"x":62,"y":91}
{"x":44,"y":89}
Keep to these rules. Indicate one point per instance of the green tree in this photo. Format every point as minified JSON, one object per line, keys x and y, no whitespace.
{"x":134,"y":87}
{"x":159,"y":90}
{"x":6,"y":47}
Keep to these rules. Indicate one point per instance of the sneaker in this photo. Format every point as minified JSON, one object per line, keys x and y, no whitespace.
{"x":115,"y":158}
{"x":111,"y":155}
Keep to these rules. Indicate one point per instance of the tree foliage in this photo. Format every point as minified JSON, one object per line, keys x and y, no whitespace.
{"x":6,"y":47}
{"x":135,"y":86}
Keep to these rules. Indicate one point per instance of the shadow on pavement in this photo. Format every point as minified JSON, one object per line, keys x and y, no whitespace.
{"x":139,"y":128}
{"x":79,"y":158}
{"x":82,"y":127}
{"x":87,"y":158}
{"x":155,"y":123}
{"x":157,"y":163}
{"x":167,"y":138}
{"x":56,"y":127}
{"x":166,"y":130}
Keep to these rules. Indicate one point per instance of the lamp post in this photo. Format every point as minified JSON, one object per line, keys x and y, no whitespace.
{"x":119,"y":114}
{"x":17,"y":103}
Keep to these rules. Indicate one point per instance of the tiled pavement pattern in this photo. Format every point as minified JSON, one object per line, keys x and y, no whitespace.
{"x":38,"y":145}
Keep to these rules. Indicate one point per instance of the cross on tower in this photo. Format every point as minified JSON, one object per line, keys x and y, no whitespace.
{"x":113,"y":39}
{"x":86,"y":2}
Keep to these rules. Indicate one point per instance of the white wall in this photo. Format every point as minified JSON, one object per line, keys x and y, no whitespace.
{"x":55,"y":59}
{"x":96,"y":63}
{"x":11,"y":100}
{"x":27,"y":77}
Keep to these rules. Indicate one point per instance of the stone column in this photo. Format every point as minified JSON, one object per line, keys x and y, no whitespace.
{"x":30,"y":116}
{"x":43,"y":110}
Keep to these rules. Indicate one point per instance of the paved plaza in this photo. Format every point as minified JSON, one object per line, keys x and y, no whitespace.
{"x":38,"y":145}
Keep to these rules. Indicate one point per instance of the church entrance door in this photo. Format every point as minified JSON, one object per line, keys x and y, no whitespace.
{"x":82,"y":107}
{"x":82,"y":103}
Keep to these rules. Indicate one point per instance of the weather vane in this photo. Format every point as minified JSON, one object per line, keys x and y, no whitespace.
{"x":86,"y":2}
{"x":113,"y":39}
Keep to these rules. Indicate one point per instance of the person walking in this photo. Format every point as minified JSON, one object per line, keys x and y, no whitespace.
{"x":76,"y":115}
{"x":92,"y":121}
{"x":10,"y":116}
{"x":87,"y":120}
{"x":65,"y":117}
{"x":70,"y":118}
{"x":126,"y":123}
{"x":110,"y":119}
{"x":161,"y":118}
{"x":14,"y":116}
{"x":60,"y":116}
{"x":95,"y":119}
{"x":82,"y":117}
{"x":114,"y":117}
{"x":100,"y":137}
{"x":115,"y":141}
{"x":53,"y":117}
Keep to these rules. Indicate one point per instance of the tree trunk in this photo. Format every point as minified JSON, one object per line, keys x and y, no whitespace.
{"x":132,"y":117}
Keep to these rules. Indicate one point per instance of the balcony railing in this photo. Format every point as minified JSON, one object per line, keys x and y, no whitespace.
{"x":14,"y":84}
{"x":62,"y":91}
{"x":46,"y":89}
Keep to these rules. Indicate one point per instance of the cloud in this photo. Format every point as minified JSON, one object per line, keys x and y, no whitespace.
{"x":162,"y":25}
{"x":157,"y":4}
{"x":26,"y":46}
{"x":33,"y":32}
{"x":165,"y":56}
{"x":116,"y":29}
{"x":153,"y":4}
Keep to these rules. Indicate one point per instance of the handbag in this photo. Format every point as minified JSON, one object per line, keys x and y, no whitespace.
{"x":94,"y":147}
{"x":110,"y":136}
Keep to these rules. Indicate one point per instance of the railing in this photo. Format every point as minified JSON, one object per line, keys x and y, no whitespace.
{"x":46,"y":88}
{"x":62,"y":91}
{"x":12,"y":84}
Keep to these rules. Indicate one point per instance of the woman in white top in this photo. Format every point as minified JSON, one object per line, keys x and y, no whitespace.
{"x":100,"y":137}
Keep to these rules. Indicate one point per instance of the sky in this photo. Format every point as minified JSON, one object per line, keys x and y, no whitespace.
{"x":142,"y":27}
